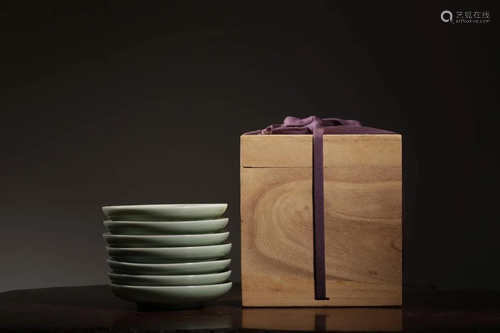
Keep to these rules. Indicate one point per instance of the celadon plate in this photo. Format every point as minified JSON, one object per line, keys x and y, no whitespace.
{"x":169,"y":280}
{"x":173,"y":212}
{"x":168,"y":254}
{"x":183,"y":268}
{"x":165,"y":228}
{"x":171,"y":295}
{"x":165,"y":240}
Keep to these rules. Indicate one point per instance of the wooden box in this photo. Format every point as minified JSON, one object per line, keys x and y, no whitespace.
{"x":363,"y":220}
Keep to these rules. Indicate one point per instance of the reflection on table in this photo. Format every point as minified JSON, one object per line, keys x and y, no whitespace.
{"x":323,"y":319}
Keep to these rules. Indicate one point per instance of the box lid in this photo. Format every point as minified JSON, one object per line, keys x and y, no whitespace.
{"x":286,"y":151}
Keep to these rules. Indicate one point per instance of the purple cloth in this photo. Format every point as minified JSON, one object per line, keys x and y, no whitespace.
{"x":317,"y":127}
{"x":293,"y":125}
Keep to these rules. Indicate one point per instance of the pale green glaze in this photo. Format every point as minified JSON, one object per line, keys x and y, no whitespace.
{"x":174,"y":212}
{"x":168,"y":254}
{"x":169,"y":280}
{"x":165,"y":228}
{"x":165,"y":240}
{"x":177,"y":295}
{"x":185,"y":268}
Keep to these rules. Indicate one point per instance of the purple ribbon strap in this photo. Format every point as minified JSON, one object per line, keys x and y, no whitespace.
{"x":317,"y":127}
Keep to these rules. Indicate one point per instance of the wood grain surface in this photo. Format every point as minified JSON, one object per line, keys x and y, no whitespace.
{"x":363,"y":215}
{"x":287,"y":151}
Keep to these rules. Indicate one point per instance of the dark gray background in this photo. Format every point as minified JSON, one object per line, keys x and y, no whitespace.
{"x":121,"y":102}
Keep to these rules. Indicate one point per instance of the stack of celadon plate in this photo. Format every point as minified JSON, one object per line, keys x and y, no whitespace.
{"x":170,"y":256}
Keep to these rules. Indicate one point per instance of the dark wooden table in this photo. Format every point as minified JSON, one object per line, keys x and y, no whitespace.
{"x":96,"y":309}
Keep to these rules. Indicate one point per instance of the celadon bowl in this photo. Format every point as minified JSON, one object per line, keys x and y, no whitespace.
{"x":165,"y":228}
{"x":168,"y":254}
{"x":183,"y":268}
{"x":172,"y":212}
{"x":165,"y":240}
{"x":175,"y":296}
{"x":169,"y":280}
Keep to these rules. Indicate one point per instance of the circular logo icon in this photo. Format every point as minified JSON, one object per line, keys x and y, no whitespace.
{"x":449,"y":18}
